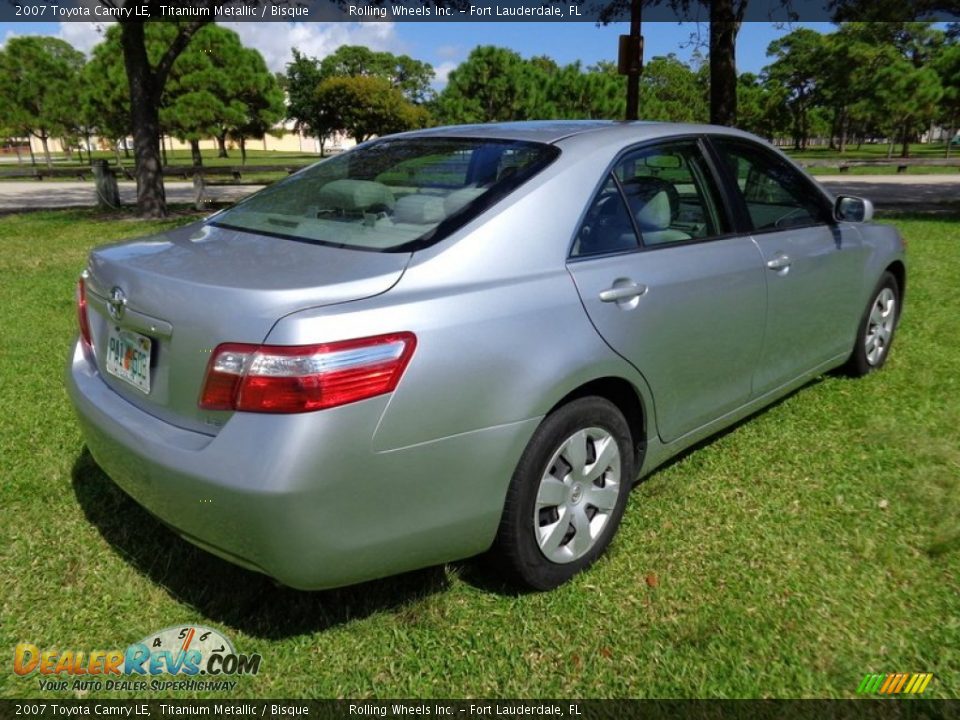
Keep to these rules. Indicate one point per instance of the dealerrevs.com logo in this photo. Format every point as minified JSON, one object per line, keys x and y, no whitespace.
{"x":201,"y":658}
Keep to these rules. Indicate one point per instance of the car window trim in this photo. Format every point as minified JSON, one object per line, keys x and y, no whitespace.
{"x":739,"y":203}
{"x":727,"y":213}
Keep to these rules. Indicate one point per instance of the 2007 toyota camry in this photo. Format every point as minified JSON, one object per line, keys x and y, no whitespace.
{"x":467,"y":339}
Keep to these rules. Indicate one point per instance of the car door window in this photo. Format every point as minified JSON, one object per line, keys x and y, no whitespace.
{"x":776,"y":195}
{"x":670,"y":193}
{"x":607,"y":227}
{"x":666,"y":193}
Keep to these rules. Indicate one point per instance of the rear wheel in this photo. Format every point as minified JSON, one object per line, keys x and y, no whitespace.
{"x":567,"y":495}
{"x":875,"y":334}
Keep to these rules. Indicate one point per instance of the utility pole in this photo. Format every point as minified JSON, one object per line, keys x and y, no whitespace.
{"x":630,"y":60}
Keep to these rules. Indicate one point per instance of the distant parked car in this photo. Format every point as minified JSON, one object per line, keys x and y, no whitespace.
{"x":467,"y":339}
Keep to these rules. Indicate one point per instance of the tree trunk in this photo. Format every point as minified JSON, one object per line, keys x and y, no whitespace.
{"x":723,"y":63}
{"x":89,"y":150}
{"x":321,"y":139}
{"x":145,"y":118}
{"x":16,"y":149}
{"x":950,"y":136}
{"x":195,"y":155}
{"x":905,"y":148}
{"x":33,"y":158}
{"x":163,"y":151}
{"x":222,"y":145}
{"x":46,"y":150}
{"x":243,"y":150}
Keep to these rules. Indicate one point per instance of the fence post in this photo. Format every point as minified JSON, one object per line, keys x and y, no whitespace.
{"x":199,"y":189}
{"x":108,"y":194}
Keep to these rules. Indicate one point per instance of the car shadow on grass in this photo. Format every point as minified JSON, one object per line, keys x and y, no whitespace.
{"x":228,"y":594}
{"x":483,"y":574}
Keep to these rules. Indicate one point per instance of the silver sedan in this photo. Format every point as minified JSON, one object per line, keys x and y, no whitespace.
{"x":467,"y":340}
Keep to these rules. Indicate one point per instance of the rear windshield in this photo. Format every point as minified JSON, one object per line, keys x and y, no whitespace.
{"x":392,"y":195}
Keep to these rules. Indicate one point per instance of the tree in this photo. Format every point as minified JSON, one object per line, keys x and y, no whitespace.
{"x":574,"y":93}
{"x":493,"y":84}
{"x":798,"y":67}
{"x":202,"y":95}
{"x":301,"y":81}
{"x":411,"y":77}
{"x":670,"y":90}
{"x":761,"y":107}
{"x":366,"y":106}
{"x":105,"y":99}
{"x":39,"y":80}
{"x":726,"y":17}
{"x":908,"y":97}
{"x":147,"y":75}
{"x":947,"y":66}
{"x":261,"y":99}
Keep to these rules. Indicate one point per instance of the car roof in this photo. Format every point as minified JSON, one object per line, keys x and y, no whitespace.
{"x":552,"y":131}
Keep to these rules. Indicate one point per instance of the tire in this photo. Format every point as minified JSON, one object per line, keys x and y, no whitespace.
{"x":562,"y":509}
{"x":876,"y":330}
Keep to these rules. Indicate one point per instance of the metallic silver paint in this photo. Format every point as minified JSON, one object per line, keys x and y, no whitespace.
{"x":506,"y":328}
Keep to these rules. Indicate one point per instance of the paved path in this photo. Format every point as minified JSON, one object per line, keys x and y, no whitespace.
{"x":44,"y":194}
{"x":886,"y":191}
{"x":918,"y":192}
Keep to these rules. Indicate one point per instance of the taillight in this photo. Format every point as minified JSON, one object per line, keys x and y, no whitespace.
{"x":301,"y":378}
{"x":82,"y":319}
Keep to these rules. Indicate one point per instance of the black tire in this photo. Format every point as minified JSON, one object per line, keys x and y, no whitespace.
{"x":860,"y":363}
{"x":516,"y":551}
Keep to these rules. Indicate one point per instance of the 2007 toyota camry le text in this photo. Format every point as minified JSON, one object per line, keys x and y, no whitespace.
{"x":467,"y":340}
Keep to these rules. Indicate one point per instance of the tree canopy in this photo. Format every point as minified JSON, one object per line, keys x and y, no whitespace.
{"x":39,"y":87}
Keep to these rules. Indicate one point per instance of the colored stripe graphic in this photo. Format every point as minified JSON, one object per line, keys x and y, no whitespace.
{"x":894,"y":683}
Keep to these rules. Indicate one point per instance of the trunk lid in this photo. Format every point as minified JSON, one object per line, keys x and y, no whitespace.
{"x":192,"y":288}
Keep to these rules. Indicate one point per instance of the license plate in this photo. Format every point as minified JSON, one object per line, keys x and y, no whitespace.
{"x":128,"y":358}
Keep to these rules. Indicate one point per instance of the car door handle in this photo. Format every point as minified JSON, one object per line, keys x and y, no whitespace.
{"x":623,"y":292}
{"x":780,"y":262}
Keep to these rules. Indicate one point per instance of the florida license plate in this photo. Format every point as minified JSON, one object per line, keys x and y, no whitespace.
{"x":128,"y":358}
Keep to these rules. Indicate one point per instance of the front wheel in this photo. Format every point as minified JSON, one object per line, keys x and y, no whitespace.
{"x":875,"y":334}
{"x":567,"y":494}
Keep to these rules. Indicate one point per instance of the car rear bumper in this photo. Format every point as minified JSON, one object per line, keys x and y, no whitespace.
{"x":304,"y":498}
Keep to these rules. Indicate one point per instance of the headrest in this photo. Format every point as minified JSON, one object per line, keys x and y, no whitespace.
{"x":652,"y":201}
{"x":355,"y":195}
{"x":459,"y":199}
{"x":419,"y":209}
{"x":654,"y":214}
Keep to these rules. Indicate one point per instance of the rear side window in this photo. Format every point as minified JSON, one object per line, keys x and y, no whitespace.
{"x":394,"y":195}
{"x":670,"y":193}
{"x":656,"y":196}
{"x":776,"y":195}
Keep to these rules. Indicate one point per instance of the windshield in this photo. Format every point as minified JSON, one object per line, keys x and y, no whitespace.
{"x":392,"y":195}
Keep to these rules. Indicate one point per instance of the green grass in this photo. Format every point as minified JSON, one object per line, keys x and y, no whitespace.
{"x":883,"y":170}
{"x":812,"y":544}
{"x":877,"y":151}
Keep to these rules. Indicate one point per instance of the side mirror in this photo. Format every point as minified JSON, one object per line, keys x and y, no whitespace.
{"x":853,"y":209}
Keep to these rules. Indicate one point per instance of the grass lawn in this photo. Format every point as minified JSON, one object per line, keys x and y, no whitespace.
{"x":874,"y":151}
{"x":881,"y":170}
{"x":813,"y":544}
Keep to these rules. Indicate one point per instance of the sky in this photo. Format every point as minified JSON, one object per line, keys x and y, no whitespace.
{"x":444,"y":45}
